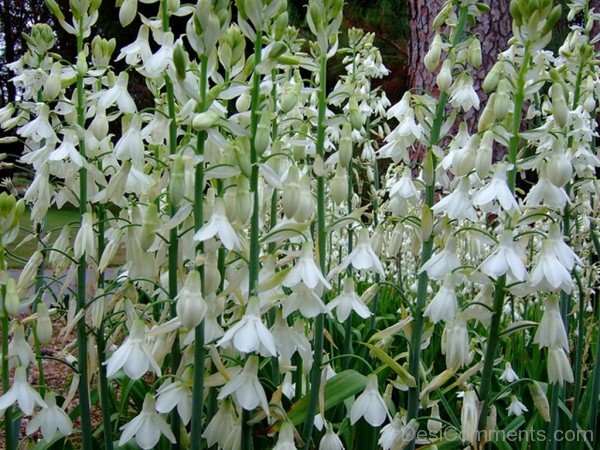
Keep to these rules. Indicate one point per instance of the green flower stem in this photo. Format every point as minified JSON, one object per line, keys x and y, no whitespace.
{"x":173,"y":238}
{"x":10,"y":438}
{"x":322,"y":248}
{"x":348,"y":322}
{"x":199,"y":350}
{"x":375,"y":202}
{"x":427,"y":249}
{"x":500,"y":287}
{"x":84,"y":397}
{"x":254,"y":257}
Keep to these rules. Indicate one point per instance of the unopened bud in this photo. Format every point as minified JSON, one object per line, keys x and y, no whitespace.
{"x":180,"y":61}
{"x":426,"y":223}
{"x":474,"y":53}
{"x":203,"y":121}
{"x":354,"y":113}
{"x":339,"y":185}
{"x":263,"y":134}
{"x":540,"y":400}
{"x":345,"y":150}
{"x":177,"y":183}
{"x":243,"y":102}
{"x":43,"y":324}
{"x":291,"y":192}
{"x":11,"y":299}
{"x":444,"y":78}
{"x":127,"y":12}
{"x":432,"y":58}
{"x":149,"y":226}
{"x":559,"y":105}
{"x":559,"y":170}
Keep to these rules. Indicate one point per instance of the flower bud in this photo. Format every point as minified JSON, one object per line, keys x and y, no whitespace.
{"x":395,"y":242}
{"x":177,"y":183}
{"x":203,"y":121}
{"x":474,"y":53}
{"x":339,"y":185}
{"x":180,"y":61}
{"x":191,"y":307}
{"x":99,"y":125}
{"x":559,"y":105}
{"x":441,"y":17}
{"x":354,"y":114}
{"x":540,"y":400}
{"x":345,"y":148}
{"x":464,"y":160}
{"x":242,"y":157}
{"x":426,"y":223}
{"x":502,"y":100}
{"x":243,"y":204}
{"x":43,"y":325}
{"x":291,"y":192}
{"x":52,"y":86}
{"x":278,"y":49}
{"x":487,"y":118}
{"x":306,"y":205}
{"x":492,"y":78}
{"x":444,"y":78}
{"x":483,"y":160}
{"x":81,"y":65}
{"x":127,"y":12}
{"x":559,"y":169}
{"x":243,"y":102}
{"x":212,"y":276}
{"x":432,"y":58}
{"x":149,"y":226}
{"x":11,"y":299}
{"x":55,"y":9}
{"x":263,"y":134}
{"x":98,"y":309}
{"x":289,"y":97}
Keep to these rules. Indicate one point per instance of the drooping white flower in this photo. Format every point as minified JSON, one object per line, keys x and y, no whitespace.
{"x":138,"y":50}
{"x":508,"y":374}
{"x":246,"y":388}
{"x":549,"y":274}
{"x":505,"y":259}
{"x":469,"y":417}
{"x":457,"y":204}
{"x":462,"y":93}
{"x":285,"y":439}
{"x":562,"y":251}
{"x":51,"y":420}
{"x":516,"y":408}
{"x":133,"y":355}
{"x":330,"y":441}
{"x":559,"y":368}
{"x":442,"y":262}
{"x":348,"y":301}
{"x":224,"y":424}
{"x":551,"y":330}
{"x":178,"y":394}
{"x":85,"y":241}
{"x":131,"y":145}
{"x":306,"y":271}
{"x":369,"y":404}
{"x":39,"y":128}
{"x":546,"y":192}
{"x":289,"y":340}
{"x":156,"y":64}
{"x":497,"y":190}
{"x":67,"y":150}
{"x":219,"y":225}
{"x":19,"y":350}
{"x":21,"y":393}
{"x":146,"y":427}
{"x":118,"y":94}
{"x":455,"y":342}
{"x":362,"y":257}
{"x":305,"y":300}
{"x":444,"y":305}
{"x":396,"y":435}
{"x":191,"y":307}
{"x":250,"y":334}
{"x":404,"y":187}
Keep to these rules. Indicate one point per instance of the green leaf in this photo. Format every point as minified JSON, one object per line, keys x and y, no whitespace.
{"x":406,"y":377}
{"x":339,"y":388}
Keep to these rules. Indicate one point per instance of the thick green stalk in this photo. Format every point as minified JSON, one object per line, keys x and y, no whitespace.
{"x":199,"y":350}
{"x":348,"y":323}
{"x":173,"y":236}
{"x":499,"y":289}
{"x":254,"y":258}
{"x":414,"y":362}
{"x":84,"y":397}
{"x":315,"y":375}
{"x":10,"y":438}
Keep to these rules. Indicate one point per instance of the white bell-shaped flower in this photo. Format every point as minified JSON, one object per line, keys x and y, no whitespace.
{"x":505,"y":259}
{"x":363,"y":257}
{"x":21,"y":393}
{"x":549,"y":274}
{"x":118,"y":94}
{"x":191,"y":307}
{"x":177,"y":394}
{"x":497,"y":190}
{"x":19,"y":350}
{"x":133,"y":355}
{"x":246,"y":388}
{"x":562,"y":251}
{"x":285,"y":439}
{"x":50,"y":420}
{"x":559,"y":368}
{"x":508,"y":375}
{"x":469,"y":417}
{"x":551,"y":331}
{"x":330,"y":441}
{"x":147,"y":427}
{"x":442,"y":262}
{"x":219,"y":225}
{"x":457,"y":204}
{"x":369,"y":405}
{"x":250,"y":334}
{"x":305,"y":300}
{"x":225,"y":423}
{"x":443,"y":305}
{"x":516,"y":408}
{"x":307,"y":271}
{"x":455,"y":342}
{"x":348,"y":301}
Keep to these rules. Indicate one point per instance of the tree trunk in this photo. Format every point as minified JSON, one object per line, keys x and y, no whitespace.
{"x":493,"y":30}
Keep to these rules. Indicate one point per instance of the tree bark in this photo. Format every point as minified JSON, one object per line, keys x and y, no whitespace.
{"x":493,"y":30}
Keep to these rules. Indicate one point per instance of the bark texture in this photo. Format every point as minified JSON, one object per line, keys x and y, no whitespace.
{"x":493,"y":30}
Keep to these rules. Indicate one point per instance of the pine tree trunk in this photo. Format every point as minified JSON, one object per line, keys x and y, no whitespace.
{"x":493,"y":30}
